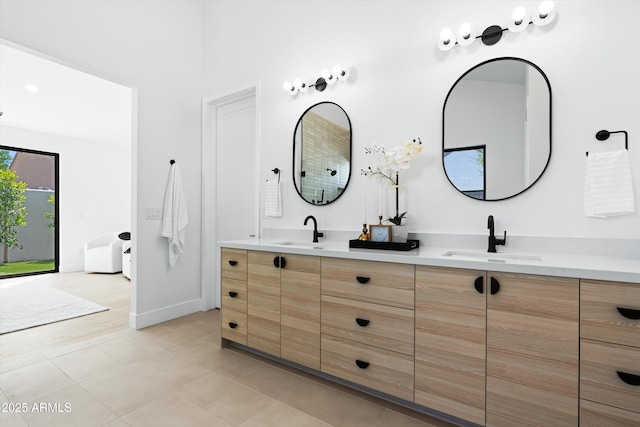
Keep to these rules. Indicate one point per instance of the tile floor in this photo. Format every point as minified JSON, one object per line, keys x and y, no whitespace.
{"x":95,"y":371}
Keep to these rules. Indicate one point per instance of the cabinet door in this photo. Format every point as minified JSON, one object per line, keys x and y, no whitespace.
{"x":532,"y":351}
{"x":300,"y":306}
{"x":450,"y":341}
{"x":263,"y":303}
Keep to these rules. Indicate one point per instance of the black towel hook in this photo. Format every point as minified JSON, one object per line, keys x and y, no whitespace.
{"x":171,"y":161}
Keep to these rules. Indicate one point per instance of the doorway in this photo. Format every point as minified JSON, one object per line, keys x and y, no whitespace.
{"x":29,"y":234}
{"x":230,"y":154}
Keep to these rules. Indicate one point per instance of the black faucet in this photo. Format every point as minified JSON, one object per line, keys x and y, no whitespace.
{"x":315,"y":228}
{"x":492,"y":237}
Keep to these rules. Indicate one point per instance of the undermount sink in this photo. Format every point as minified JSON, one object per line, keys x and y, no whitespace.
{"x":300,"y":244}
{"x":492,"y":257}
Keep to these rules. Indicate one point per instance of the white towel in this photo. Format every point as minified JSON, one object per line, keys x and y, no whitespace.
{"x":273,"y":199}
{"x":608,"y":187}
{"x":174,"y":216}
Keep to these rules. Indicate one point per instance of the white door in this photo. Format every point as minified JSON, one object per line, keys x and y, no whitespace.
{"x":235,"y":170}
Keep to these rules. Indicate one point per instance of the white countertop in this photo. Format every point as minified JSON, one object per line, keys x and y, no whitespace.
{"x":550,"y":264}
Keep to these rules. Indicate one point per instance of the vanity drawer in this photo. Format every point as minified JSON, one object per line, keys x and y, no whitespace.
{"x":610,"y":311}
{"x":234,"y":325}
{"x":371,"y":281}
{"x":600,"y":365}
{"x":233,"y":263}
{"x":382,"y":370}
{"x":597,"y":415}
{"x":234,"y":294}
{"x":390,"y":328}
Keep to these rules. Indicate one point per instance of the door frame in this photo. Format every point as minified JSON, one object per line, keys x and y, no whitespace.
{"x":210,"y":281}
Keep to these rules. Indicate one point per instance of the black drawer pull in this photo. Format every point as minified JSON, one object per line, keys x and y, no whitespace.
{"x":362,"y":364}
{"x":232,"y":262}
{"x":362,"y":279}
{"x":279,"y":262}
{"x":233,"y":294}
{"x":479,"y":284}
{"x":362,"y":322}
{"x":233,"y":325}
{"x":630,"y":379}
{"x":495,"y":286}
{"x":629,"y":313}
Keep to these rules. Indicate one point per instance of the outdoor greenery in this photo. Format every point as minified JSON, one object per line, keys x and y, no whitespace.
{"x":13,"y":212}
{"x":50,"y":215}
{"x":26,"y":267}
{"x":5,"y":159}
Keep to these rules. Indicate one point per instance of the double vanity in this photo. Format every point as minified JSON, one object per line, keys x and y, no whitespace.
{"x":477,"y":338}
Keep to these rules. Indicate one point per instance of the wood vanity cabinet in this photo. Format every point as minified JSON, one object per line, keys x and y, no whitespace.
{"x":283,"y":308}
{"x":451,"y":336}
{"x":521,"y":370}
{"x":233,"y":312}
{"x":263,"y":303}
{"x":609,"y":353}
{"x":300,"y":310}
{"x":368,"y":324}
{"x":532,"y":350}
{"x":490,"y":348}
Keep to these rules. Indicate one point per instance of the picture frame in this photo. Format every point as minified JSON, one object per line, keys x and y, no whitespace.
{"x":380,"y":233}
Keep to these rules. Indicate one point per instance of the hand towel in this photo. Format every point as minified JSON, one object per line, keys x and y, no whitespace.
{"x":608,"y":187}
{"x":273,"y":199}
{"x":174,"y":215}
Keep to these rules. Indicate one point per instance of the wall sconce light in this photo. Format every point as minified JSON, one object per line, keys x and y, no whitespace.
{"x":327,"y":77}
{"x":545,"y":14}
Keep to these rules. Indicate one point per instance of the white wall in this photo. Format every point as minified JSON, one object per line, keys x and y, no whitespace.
{"x":94,"y":187}
{"x":155,"y":47}
{"x":400,"y":79}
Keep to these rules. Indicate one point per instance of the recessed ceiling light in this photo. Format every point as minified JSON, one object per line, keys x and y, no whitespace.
{"x":31,"y":87}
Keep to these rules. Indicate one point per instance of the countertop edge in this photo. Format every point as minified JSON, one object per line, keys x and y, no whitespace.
{"x":559,"y":265}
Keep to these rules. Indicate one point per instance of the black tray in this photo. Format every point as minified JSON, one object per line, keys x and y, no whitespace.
{"x":390,"y":246}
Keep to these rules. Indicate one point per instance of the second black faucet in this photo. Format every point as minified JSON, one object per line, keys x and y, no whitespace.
{"x":492,"y":236}
{"x":315,"y":228}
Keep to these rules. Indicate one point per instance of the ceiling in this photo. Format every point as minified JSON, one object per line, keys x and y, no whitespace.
{"x":68,"y":102}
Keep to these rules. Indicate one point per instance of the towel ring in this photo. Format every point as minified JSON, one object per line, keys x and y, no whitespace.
{"x":603,"y":135}
{"x":277,"y":172}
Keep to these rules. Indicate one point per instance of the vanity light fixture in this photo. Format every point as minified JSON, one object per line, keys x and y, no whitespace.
{"x":328,"y":77}
{"x":520,"y":20}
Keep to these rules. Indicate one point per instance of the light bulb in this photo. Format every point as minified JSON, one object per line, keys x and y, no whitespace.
{"x":342,"y":73}
{"x":518,"y":15}
{"x":465,"y":30}
{"x":447,"y":40}
{"x":329,"y":77}
{"x":445,"y":35}
{"x":31,"y":87}
{"x":297,"y":83}
{"x":287,"y":86}
{"x":519,"y":20}
{"x":545,"y":8}
{"x":546,"y":13}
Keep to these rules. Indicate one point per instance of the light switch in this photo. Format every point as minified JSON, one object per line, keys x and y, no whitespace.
{"x":152,"y":212}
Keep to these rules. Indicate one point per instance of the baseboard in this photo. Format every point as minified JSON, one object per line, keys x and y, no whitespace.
{"x":71,"y":268}
{"x":142,"y":320}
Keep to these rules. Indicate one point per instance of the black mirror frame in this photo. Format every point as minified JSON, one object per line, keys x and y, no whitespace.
{"x":550,"y":124}
{"x":294,"y":152}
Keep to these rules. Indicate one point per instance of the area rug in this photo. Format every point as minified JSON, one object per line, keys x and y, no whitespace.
{"x":26,"y":305}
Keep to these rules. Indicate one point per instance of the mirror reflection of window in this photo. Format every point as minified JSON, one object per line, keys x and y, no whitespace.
{"x":505,"y":105}
{"x":466,"y":170}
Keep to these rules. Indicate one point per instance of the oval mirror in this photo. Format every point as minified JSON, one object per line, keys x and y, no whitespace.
{"x":322,"y":153}
{"x":496,"y":129}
